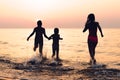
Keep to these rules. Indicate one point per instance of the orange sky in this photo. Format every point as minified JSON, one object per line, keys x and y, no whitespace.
{"x":58,"y":13}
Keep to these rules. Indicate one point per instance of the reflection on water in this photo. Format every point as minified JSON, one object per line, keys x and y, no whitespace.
{"x":73,"y":47}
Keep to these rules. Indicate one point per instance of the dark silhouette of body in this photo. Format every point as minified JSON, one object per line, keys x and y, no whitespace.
{"x":55,"y":45}
{"x":40,"y":31}
{"x":92,"y":26}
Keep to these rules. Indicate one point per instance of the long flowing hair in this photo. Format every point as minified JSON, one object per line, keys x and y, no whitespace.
{"x":90,"y":18}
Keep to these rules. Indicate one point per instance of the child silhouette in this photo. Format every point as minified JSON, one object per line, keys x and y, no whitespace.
{"x":55,"y":45}
{"x":40,"y":31}
{"x":92,"y":26}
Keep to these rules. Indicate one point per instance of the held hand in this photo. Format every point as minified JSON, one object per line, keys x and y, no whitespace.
{"x":49,"y":38}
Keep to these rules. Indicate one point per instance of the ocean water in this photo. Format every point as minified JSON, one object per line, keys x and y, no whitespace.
{"x":73,"y":47}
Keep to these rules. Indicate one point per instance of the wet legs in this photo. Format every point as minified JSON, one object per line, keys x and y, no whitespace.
{"x":92,"y":46}
{"x":55,"y":51}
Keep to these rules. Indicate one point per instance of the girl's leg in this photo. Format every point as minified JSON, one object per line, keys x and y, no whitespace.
{"x":90,"y":47}
{"x":41,"y":49}
{"x":35,"y":45}
{"x":57,"y":55}
{"x":57,"y":52}
{"x":34,"y":49}
{"x":94,"y":47}
{"x":53,"y":51}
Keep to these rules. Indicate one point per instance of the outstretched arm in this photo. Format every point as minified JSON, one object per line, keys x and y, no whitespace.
{"x":31,"y":35}
{"x":100,"y":30}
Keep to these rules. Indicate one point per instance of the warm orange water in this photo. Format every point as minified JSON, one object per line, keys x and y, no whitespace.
{"x":73,"y":47}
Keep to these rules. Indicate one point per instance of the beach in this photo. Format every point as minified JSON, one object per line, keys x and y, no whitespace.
{"x":16,"y":52}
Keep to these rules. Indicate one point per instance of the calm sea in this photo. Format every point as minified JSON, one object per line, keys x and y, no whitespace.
{"x":73,"y":47}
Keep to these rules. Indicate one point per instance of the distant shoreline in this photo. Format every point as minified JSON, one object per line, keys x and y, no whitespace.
{"x":60,"y":28}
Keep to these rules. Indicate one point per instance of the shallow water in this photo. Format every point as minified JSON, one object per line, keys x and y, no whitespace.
{"x":73,"y":47}
{"x":15,"y":50}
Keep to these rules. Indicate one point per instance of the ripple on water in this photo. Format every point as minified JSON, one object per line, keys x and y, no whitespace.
{"x":80,"y":50}
{"x":2,"y":42}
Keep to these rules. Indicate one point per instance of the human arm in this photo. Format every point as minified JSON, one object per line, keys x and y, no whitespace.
{"x":51,"y":37}
{"x":60,"y":38}
{"x":31,"y":35}
{"x":86,"y":25}
{"x":100,"y":30}
{"x":44,"y":32}
{"x":85,"y":28}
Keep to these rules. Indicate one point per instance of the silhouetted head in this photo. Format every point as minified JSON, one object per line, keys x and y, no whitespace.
{"x":56,"y":30}
{"x":39,"y":23}
{"x":91,"y":17}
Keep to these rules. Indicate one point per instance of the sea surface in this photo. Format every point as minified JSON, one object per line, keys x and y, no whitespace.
{"x":73,"y":47}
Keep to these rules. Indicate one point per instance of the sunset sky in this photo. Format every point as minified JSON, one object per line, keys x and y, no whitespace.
{"x":58,"y":13}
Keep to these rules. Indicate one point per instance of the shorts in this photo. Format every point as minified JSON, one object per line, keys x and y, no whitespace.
{"x":55,"y":47}
{"x":38,"y":43}
{"x":93,"y":38}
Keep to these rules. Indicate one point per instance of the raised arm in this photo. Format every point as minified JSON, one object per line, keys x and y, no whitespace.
{"x":31,"y":35}
{"x":100,"y":30}
{"x":85,"y":28}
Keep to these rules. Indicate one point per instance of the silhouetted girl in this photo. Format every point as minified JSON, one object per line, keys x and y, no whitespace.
{"x":92,"y":26}
{"x":38,"y":42}
{"x":55,"y":45}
